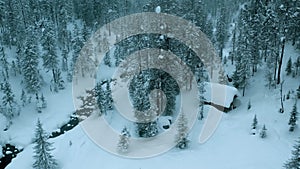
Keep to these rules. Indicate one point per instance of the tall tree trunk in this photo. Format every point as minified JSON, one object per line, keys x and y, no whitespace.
{"x":280,"y":61}
{"x":23,"y":14}
{"x":233,"y":46}
{"x":281,"y":99}
{"x":266,"y":52}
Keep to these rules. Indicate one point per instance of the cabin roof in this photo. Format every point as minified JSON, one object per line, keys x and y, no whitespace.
{"x":220,"y":94}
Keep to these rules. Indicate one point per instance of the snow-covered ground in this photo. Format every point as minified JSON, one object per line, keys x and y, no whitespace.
{"x":231,"y":147}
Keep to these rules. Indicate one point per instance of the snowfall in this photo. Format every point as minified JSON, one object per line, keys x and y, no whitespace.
{"x":232,"y":145}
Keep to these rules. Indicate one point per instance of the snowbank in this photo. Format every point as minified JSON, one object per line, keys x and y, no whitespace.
{"x":2,"y":122}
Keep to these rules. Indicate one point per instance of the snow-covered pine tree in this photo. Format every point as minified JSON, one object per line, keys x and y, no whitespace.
{"x":293,"y":118}
{"x":64,"y":65}
{"x":107,"y":60}
{"x":288,"y":95}
{"x":298,"y":92}
{"x":31,"y":75}
{"x":38,"y":104}
{"x":254,"y":123}
{"x":43,"y":101}
{"x":269,"y":69}
{"x":297,"y":66}
{"x":124,"y":141}
{"x":263,"y":132}
{"x":2,"y":7}
{"x":14,"y":69}
{"x":100,"y":99}
{"x":221,"y":30}
{"x":58,"y":83}
{"x":23,"y":98}
{"x":108,"y":94}
{"x":50,"y":58}
{"x":42,"y":150}
{"x":10,"y":107}
{"x":77,"y":43}
{"x":182,"y":132}
{"x":199,"y":73}
{"x":3,"y":62}
{"x":288,"y":68}
{"x":294,"y":161}
{"x":240,"y":75}
{"x":249,"y":105}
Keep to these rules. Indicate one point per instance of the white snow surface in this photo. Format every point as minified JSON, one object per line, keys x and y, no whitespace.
{"x":158,"y":9}
{"x":220,"y":94}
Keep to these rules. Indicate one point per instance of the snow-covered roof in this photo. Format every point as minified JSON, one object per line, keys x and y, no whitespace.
{"x":219,"y":94}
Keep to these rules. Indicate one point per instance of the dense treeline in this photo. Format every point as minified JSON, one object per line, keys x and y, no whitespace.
{"x":44,"y":38}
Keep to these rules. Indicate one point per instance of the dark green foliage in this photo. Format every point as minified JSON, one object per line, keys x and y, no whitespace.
{"x":221,"y":30}
{"x":146,"y":130}
{"x":249,"y":105}
{"x":263,"y":132}
{"x":107,"y":60}
{"x":288,"y":68}
{"x":50,"y":58}
{"x":254,"y":123}
{"x":182,"y":132}
{"x":298,"y":92}
{"x":101,"y":99}
{"x":9,"y":107}
{"x":42,"y":150}
{"x":294,"y":161}
{"x":240,"y":75}
{"x":23,"y":98}
{"x":148,"y":80}
{"x":44,"y":102}
{"x":123,"y":144}
{"x":32,"y":78}
{"x":104,"y":96}
{"x":297,"y":66}
{"x":108,"y":95}
{"x":293,"y":118}
{"x":288,"y":95}
{"x":57,"y":83}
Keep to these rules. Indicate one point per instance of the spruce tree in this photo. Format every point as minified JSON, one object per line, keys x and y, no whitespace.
{"x":42,"y":150}
{"x":10,"y":107}
{"x":249,"y":105}
{"x":263,"y":132}
{"x":23,"y":98}
{"x":32,"y":78}
{"x":293,"y":118}
{"x":123,"y":144}
{"x":38,"y":104}
{"x":100,"y":99}
{"x":254,"y":123}
{"x":109,"y":100}
{"x":288,"y":68}
{"x":43,"y":101}
{"x":241,"y":74}
{"x":4,"y":63}
{"x":200,"y":77}
{"x":107,"y":60}
{"x":182,"y":132}
{"x":294,"y":161}
{"x":297,"y":65}
{"x":288,"y":95}
{"x":298,"y":92}
{"x":57,"y":83}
